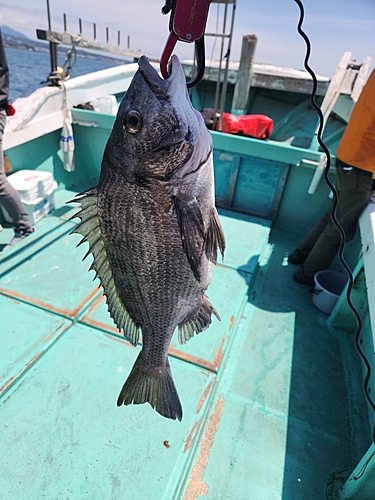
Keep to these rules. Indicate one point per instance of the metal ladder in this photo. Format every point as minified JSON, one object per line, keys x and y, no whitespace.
{"x":220,"y":94}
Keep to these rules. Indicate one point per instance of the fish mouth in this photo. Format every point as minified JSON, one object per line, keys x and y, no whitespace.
{"x":157,"y":84}
{"x":188,"y":126}
{"x":171,"y":91}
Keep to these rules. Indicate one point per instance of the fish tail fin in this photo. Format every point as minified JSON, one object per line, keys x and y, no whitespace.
{"x":154,"y":385}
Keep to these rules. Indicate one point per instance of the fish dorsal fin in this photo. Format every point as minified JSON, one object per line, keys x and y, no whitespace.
{"x":214,"y":238}
{"x":191,"y":225}
{"x":201,"y":321}
{"x":89,"y":228}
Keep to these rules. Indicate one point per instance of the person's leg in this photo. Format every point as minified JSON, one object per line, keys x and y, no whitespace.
{"x":308,"y":243}
{"x":9,"y":197}
{"x":354,"y":193}
{"x":300,"y":254}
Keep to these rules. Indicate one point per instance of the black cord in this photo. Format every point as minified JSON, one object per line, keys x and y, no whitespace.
{"x":358,"y":340}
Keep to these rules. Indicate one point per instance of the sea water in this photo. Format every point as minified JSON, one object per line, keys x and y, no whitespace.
{"x":28,"y":69}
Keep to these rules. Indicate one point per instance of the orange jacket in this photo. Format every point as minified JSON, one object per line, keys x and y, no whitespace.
{"x":357,"y":145}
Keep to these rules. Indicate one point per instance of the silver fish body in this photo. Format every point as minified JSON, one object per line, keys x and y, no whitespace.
{"x":153,"y":229}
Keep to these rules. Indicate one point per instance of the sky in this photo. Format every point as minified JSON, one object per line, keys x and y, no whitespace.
{"x":333,"y":26}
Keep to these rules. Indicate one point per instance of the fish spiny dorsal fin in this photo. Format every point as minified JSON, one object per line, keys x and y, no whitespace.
{"x":214,"y":238}
{"x":201,"y":321}
{"x":89,"y":228}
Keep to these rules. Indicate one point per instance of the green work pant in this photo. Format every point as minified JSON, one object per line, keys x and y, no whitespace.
{"x":322,"y":243}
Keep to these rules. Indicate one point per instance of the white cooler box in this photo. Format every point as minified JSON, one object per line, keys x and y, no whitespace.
{"x":37,"y":192}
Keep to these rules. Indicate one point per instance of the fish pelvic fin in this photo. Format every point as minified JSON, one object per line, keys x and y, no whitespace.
{"x":89,"y":228}
{"x":214,"y":238}
{"x":191,"y":226}
{"x":153,"y":385}
{"x":200,"y":322}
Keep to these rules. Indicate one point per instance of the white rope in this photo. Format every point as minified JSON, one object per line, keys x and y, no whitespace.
{"x":66,"y":139}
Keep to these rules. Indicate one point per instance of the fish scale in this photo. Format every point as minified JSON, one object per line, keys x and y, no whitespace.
{"x":151,"y":262}
{"x":153,"y":229}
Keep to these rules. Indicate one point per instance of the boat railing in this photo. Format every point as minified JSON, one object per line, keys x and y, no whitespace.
{"x":42,"y":111}
{"x":367,"y":228}
{"x":360,"y":482}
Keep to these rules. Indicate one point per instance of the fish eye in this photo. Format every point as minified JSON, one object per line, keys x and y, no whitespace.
{"x":133,"y":121}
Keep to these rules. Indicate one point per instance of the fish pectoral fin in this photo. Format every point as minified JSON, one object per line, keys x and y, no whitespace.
{"x":191,"y":226}
{"x":153,"y":385}
{"x":214,"y":238}
{"x":89,"y":228}
{"x":201,"y":321}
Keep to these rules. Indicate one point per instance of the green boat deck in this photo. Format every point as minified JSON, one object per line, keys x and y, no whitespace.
{"x":266,"y":392}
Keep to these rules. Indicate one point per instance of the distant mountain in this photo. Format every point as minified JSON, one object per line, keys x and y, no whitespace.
{"x":5,"y":30}
{"x":15,"y":40}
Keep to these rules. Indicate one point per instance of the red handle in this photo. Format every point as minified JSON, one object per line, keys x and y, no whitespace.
{"x":10,"y":109}
{"x":168,"y":49}
{"x":189,"y":20}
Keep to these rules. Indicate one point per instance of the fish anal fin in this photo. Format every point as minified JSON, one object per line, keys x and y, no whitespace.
{"x":201,"y":321}
{"x":153,"y":385}
{"x":214,"y":238}
{"x":90,"y":229}
{"x":191,"y":226}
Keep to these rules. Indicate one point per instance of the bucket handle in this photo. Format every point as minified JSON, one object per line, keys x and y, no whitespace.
{"x":314,"y":291}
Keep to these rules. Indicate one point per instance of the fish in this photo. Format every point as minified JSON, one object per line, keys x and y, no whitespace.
{"x":153,"y":230}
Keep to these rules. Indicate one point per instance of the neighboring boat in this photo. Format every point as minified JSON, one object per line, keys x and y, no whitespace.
{"x":272,"y":395}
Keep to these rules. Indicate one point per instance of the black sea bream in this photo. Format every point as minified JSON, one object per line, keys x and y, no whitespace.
{"x":153,"y":229}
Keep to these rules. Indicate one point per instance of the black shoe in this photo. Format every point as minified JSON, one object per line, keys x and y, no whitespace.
{"x":18,"y":236}
{"x":297,"y":258}
{"x":300,"y":277}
